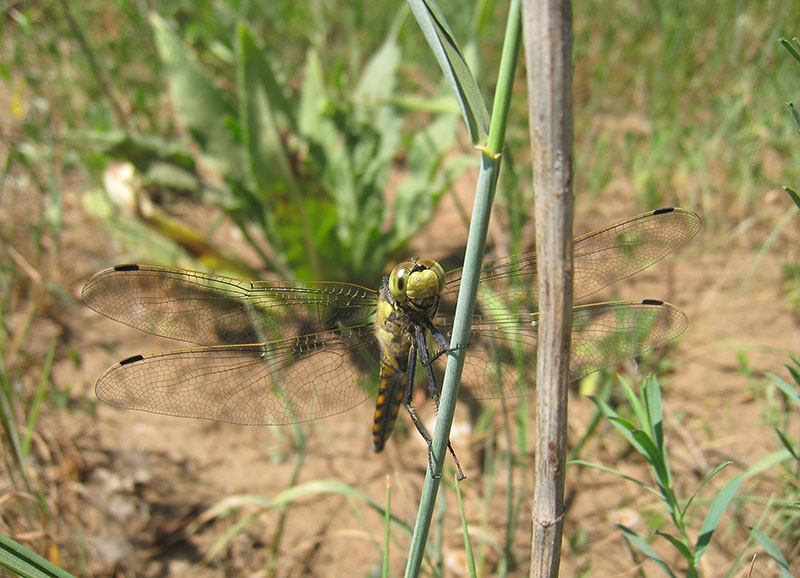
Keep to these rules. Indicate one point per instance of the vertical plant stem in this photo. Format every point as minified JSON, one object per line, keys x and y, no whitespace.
{"x":387,"y":526}
{"x":476,"y":242}
{"x":548,"y":50}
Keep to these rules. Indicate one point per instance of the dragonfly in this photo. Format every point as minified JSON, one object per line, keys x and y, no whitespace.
{"x":282,"y":352}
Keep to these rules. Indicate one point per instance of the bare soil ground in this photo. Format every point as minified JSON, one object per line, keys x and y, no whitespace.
{"x":123,"y":487}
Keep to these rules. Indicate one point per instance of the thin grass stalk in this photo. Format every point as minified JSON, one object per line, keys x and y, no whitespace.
{"x":41,"y":392}
{"x":300,"y":444}
{"x":465,"y":529}
{"x":387,"y":527}
{"x":548,"y":51}
{"x":473,"y":259}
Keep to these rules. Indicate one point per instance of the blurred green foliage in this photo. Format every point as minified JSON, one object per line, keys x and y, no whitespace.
{"x":669,"y":108}
{"x":308,"y":170}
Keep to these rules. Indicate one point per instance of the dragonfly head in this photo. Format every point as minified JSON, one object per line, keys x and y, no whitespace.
{"x":417,"y":284}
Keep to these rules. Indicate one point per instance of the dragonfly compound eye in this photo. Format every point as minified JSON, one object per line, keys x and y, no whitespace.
{"x":398,"y":280}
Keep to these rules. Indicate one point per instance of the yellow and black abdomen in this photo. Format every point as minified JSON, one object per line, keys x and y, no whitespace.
{"x":395,"y":334}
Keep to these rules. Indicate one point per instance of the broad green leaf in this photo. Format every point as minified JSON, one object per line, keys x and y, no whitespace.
{"x":718,"y":506}
{"x":417,"y":197}
{"x":312,"y":122}
{"x":262,"y":102}
{"x":375,"y":88}
{"x":202,"y":108}
{"x":454,"y":66}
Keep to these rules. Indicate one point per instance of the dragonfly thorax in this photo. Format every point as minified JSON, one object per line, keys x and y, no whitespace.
{"x":416,"y":285}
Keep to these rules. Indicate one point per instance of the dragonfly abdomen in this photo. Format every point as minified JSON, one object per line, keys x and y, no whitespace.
{"x":390,"y":397}
{"x":393,"y":330}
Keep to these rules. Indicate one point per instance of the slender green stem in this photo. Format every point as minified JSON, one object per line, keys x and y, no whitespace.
{"x":476,"y":242}
{"x":300,"y":445}
{"x":387,"y":525}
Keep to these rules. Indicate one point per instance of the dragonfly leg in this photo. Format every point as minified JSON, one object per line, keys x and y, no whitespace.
{"x":441,"y":341}
{"x":429,"y":440}
{"x":420,"y":345}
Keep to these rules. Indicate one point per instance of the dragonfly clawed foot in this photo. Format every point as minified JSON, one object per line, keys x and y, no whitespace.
{"x":432,"y":466}
{"x":448,"y":350}
{"x":429,"y":441}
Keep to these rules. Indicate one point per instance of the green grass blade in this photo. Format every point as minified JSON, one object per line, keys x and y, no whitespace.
{"x":718,"y":506}
{"x":636,"y":405}
{"x":628,"y":431}
{"x":655,"y":458}
{"x":454,"y":66}
{"x":387,"y":525}
{"x":220,"y":543}
{"x":791,"y":48}
{"x":787,"y":444}
{"x":787,"y":389}
{"x":608,"y":470}
{"x":717,"y":470}
{"x":793,"y":369}
{"x":678,"y":544}
{"x":17,"y":558}
{"x":465,"y":530}
{"x":645,"y":549}
{"x":773,"y":551}
{"x":231,"y":504}
{"x":655,"y":413}
{"x":768,"y":461}
{"x":795,"y":115}
{"x":41,"y":392}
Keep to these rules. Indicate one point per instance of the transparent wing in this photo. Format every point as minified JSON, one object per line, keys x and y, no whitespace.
{"x":213,"y":310}
{"x":600,"y":259}
{"x":275,"y":383}
{"x":501,"y":360}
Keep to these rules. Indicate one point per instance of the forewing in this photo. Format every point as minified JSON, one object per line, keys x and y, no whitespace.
{"x":600,"y":259}
{"x":213,"y":310}
{"x":501,"y":356}
{"x":277,"y":383}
